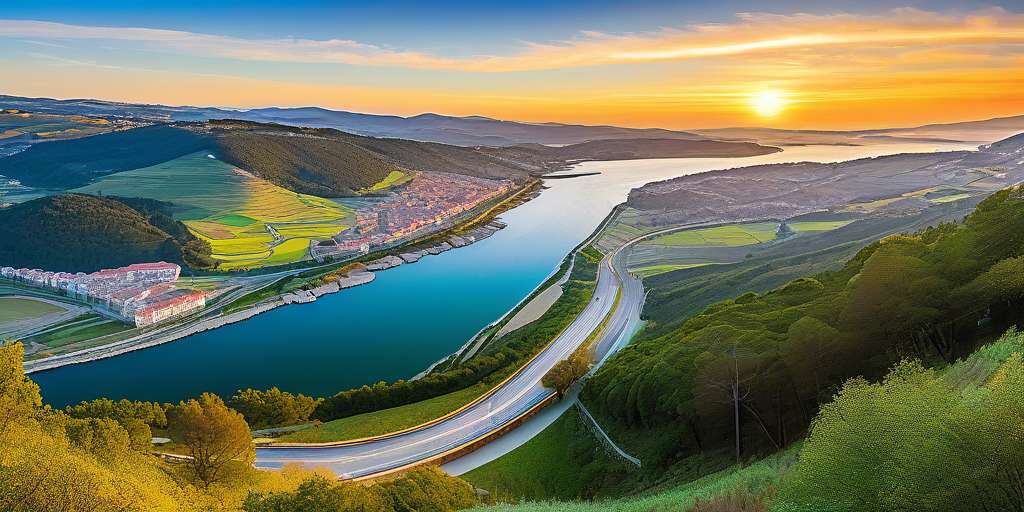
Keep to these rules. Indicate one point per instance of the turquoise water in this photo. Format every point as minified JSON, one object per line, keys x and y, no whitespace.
{"x":410,"y":316}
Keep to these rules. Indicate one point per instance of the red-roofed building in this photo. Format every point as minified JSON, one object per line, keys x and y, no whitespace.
{"x":157,"y":312}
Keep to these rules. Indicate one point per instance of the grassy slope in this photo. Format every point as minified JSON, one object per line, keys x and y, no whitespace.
{"x":759,"y":478}
{"x":230,"y":210}
{"x":754,"y":478}
{"x":388,"y":420}
{"x":558,"y":463}
{"x":71,"y":163}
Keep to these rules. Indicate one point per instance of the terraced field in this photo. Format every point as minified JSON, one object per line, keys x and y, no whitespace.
{"x":248,"y":221}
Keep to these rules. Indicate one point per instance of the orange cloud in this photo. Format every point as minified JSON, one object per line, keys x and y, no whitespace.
{"x":901,"y":67}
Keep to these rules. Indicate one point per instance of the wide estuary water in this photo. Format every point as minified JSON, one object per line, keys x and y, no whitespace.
{"x":410,"y":316}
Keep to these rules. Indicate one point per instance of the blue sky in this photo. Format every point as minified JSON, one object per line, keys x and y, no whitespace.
{"x":641,"y":63}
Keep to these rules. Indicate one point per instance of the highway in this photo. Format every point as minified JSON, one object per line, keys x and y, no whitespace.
{"x":353,"y":460}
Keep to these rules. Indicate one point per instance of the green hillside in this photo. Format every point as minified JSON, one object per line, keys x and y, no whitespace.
{"x":930,"y":295}
{"x":319,"y":166}
{"x":80,"y":233}
{"x":64,"y":164}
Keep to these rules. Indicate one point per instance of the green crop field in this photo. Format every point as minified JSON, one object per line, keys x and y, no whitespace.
{"x":386,"y":421}
{"x":394,"y":178}
{"x":18,"y":308}
{"x":232,"y":209}
{"x":733,"y":235}
{"x":818,"y":226}
{"x":654,"y":270}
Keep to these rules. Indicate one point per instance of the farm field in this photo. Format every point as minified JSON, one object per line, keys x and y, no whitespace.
{"x":19,"y":308}
{"x":393,"y":179}
{"x":733,"y":235}
{"x":818,"y":226}
{"x":249,"y":222}
{"x":50,"y":126}
{"x":654,"y":270}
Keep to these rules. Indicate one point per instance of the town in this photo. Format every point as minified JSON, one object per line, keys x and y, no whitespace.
{"x":142,"y":294}
{"x":431,"y":201}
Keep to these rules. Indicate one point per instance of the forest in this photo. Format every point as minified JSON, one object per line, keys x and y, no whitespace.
{"x":747,"y":375}
{"x":82,"y":233}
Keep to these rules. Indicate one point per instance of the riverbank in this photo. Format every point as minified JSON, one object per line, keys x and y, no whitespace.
{"x":478,"y":227}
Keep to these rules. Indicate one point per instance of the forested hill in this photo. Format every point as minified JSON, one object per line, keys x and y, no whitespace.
{"x":933,"y":295}
{"x":65,"y":164}
{"x":323,"y":162}
{"x":308,"y":159}
{"x":81,"y":233}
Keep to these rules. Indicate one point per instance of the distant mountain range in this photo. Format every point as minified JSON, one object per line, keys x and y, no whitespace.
{"x":485,"y":131}
{"x":462,"y":131}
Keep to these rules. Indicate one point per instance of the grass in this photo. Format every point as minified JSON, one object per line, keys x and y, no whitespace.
{"x":818,"y":226}
{"x":75,"y":333}
{"x":733,"y":235}
{"x":394,"y":178}
{"x":386,"y":421}
{"x":232,"y":209}
{"x":554,"y":464}
{"x":654,"y":270}
{"x":756,"y":479}
{"x":18,"y":308}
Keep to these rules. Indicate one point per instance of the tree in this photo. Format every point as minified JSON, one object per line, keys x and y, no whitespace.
{"x":810,"y":350}
{"x":215,"y":436}
{"x":272,"y":407}
{"x":728,"y":376}
{"x":567,"y":371}
{"x":19,"y":396}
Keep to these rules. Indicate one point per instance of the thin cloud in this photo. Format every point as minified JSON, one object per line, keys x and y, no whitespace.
{"x":770,"y":35}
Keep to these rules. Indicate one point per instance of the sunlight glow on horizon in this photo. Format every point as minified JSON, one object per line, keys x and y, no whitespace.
{"x":889,"y":68}
{"x":768,"y":103}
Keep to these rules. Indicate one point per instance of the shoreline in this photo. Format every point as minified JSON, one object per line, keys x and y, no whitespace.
{"x":477,"y":228}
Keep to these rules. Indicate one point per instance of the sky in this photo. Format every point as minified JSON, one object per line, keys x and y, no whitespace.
{"x":684,"y":64}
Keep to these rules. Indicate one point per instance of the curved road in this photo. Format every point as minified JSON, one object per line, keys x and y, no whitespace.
{"x":508,"y":402}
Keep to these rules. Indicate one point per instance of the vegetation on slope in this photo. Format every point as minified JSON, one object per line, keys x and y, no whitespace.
{"x":767,"y":360}
{"x":918,"y":440}
{"x":95,"y":456}
{"x":71,"y":163}
{"x":562,"y":462}
{"x":303,"y":163}
{"x":80,"y":233}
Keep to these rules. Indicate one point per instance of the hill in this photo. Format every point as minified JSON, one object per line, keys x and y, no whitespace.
{"x":81,"y":233}
{"x":64,"y":164}
{"x":325,"y":161}
{"x":465,"y":131}
{"x":933,"y":295}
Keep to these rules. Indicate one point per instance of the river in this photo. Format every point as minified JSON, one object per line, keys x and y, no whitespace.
{"x":409,"y":316}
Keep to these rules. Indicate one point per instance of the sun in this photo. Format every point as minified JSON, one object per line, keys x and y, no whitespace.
{"x":768,"y":103}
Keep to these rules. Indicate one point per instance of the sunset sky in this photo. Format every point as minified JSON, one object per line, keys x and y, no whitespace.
{"x":825,"y":64}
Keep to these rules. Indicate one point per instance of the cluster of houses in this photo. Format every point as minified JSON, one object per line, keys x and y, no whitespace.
{"x":426,"y":202}
{"x":143,"y":293}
